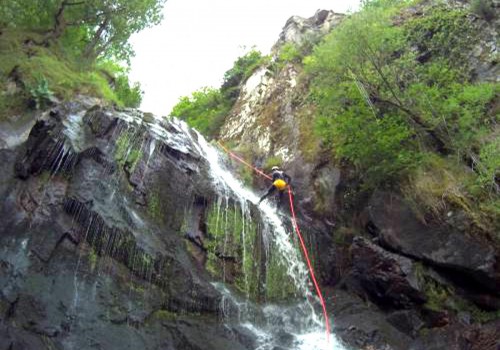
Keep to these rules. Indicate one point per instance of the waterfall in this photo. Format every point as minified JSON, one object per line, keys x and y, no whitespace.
{"x":299,"y":320}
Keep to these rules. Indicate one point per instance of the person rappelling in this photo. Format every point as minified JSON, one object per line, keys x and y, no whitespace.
{"x":281,"y":181}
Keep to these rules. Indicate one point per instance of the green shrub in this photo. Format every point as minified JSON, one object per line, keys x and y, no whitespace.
{"x":40,"y":93}
{"x":128,"y":95}
{"x":205,"y":110}
{"x":489,"y":166}
{"x":443,"y":32}
{"x":272,"y":161}
{"x":289,"y":52}
{"x":242,"y":69}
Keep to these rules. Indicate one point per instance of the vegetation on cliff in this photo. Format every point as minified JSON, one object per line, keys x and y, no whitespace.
{"x":206,"y":109}
{"x":396,"y":96}
{"x":59,"y":48}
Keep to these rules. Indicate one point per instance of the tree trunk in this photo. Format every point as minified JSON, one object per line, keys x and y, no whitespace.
{"x":59,"y":21}
{"x":90,"y":49}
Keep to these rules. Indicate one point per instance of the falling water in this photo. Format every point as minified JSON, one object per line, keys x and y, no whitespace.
{"x":309,"y":332}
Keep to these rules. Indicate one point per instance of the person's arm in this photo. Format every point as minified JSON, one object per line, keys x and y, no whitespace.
{"x":288,"y":179}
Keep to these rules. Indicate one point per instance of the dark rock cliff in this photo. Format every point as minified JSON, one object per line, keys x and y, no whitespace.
{"x":93,"y":253}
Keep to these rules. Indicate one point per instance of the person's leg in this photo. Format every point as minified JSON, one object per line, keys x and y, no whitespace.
{"x":269,"y":192}
{"x":280,"y":199}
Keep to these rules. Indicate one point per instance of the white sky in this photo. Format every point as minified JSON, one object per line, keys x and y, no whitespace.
{"x":199,"y":40}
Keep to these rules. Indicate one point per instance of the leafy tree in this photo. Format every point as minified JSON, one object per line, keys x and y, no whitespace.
{"x":129,"y":95}
{"x":404,"y":83}
{"x":289,"y":52}
{"x":242,"y":69}
{"x":204,"y":110}
{"x":103,"y":26}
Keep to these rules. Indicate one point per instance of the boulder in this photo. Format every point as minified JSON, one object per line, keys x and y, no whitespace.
{"x":361,"y":324}
{"x":460,"y":337}
{"x":388,"y":278}
{"x":407,"y":321}
{"x":401,"y":231}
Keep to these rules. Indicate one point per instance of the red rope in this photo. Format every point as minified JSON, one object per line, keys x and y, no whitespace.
{"x":309,"y":265}
{"x":243,"y":161}
{"x":297,"y":230}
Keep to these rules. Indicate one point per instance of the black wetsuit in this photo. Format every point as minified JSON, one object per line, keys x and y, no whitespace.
{"x":277,"y":175}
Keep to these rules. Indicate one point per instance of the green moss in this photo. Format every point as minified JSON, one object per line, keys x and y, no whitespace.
{"x":63,"y":76}
{"x":478,"y":315}
{"x":437,"y":295}
{"x":155,"y":208}
{"x":309,"y":142}
{"x":133,"y":158}
{"x":343,"y":236}
{"x":44,"y":177}
{"x":127,"y":153}
{"x":122,"y":145}
{"x":213,"y":266}
{"x":484,"y":9}
{"x":48,"y":342}
{"x":273,"y":161}
{"x":233,"y":235}
{"x":440,"y":185}
{"x":165,"y":315}
{"x":441,"y":297}
{"x":279,"y":285}
{"x":93,"y":259}
{"x":146,"y":265}
{"x":136,"y":287}
{"x":225,"y":225}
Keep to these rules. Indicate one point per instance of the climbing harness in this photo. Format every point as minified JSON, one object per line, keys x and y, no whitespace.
{"x":297,"y":230}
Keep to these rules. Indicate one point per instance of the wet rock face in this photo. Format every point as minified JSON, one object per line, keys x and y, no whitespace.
{"x":460,"y":337}
{"x":388,"y":278}
{"x":360,"y":323}
{"x":93,"y":254}
{"x":401,"y":231}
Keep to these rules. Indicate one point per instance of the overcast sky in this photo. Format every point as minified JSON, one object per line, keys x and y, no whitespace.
{"x":199,"y":40}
